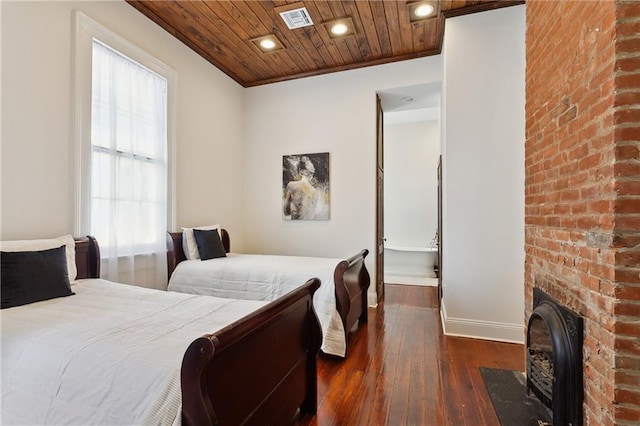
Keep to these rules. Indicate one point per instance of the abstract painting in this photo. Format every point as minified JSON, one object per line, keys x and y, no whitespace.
{"x":305,"y":186}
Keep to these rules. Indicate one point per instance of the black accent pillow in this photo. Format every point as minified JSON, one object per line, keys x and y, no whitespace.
{"x":33,"y":276}
{"x":209,"y":244}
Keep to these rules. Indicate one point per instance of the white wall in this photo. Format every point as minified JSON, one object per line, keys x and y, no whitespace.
{"x":483,"y":129}
{"x":230,"y":143}
{"x":411,"y":153}
{"x":333,"y":113}
{"x":37,"y":129}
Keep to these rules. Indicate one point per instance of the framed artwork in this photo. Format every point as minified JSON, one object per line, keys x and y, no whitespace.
{"x":305,"y":186}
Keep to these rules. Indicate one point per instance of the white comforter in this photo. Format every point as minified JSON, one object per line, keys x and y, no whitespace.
{"x":265,"y":277}
{"x":109,"y":355}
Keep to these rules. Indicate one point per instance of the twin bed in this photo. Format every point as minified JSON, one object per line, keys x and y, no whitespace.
{"x":118,"y":354}
{"x":340,"y":302}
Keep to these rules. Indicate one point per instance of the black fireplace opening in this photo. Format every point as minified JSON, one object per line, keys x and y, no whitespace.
{"x":554,"y":359}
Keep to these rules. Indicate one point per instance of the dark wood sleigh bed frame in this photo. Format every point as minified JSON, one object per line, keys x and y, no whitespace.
{"x":238,"y":375}
{"x":350,"y":276}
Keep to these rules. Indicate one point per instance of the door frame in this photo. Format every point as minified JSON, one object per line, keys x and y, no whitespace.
{"x":379,"y":200}
{"x":439,"y":240}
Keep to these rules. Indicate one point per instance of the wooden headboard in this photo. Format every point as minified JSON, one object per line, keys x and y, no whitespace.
{"x":87,"y":257}
{"x":175,"y":253}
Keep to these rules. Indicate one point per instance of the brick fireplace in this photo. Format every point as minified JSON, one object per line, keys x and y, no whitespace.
{"x":554,"y":358}
{"x":582,"y":187}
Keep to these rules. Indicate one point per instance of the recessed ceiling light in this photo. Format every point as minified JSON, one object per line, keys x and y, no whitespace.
{"x":424,"y":10}
{"x":407,"y":99}
{"x":419,"y":10}
{"x":340,"y":27}
{"x":268,"y":43}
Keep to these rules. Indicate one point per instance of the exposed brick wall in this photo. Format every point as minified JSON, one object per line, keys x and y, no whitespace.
{"x":582,"y":188}
{"x":626,"y":120}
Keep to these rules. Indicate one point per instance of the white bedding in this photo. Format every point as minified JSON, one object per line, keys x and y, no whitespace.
{"x":265,"y":277}
{"x":110,"y":354}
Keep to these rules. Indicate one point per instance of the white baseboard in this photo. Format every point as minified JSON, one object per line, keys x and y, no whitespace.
{"x":372,"y":299}
{"x":477,"y":329}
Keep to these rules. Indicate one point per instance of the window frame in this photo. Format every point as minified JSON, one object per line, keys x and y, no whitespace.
{"x":85,"y":31}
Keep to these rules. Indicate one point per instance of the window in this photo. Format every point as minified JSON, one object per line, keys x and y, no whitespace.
{"x":123,"y":154}
{"x":128,"y":152}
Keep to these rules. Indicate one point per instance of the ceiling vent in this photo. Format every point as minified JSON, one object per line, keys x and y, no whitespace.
{"x":297,"y":18}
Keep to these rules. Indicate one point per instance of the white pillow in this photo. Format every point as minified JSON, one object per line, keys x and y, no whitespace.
{"x":189,"y":245}
{"x":45,"y":244}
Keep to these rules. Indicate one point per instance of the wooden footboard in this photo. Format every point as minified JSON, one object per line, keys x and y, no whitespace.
{"x":259,"y":370}
{"x":352,"y":282}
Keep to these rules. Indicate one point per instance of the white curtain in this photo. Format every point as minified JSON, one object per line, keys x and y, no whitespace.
{"x":128,"y":211}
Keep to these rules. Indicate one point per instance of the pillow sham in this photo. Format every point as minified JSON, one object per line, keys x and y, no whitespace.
{"x":189,"y":245}
{"x":33,"y":276}
{"x":209,"y":244}
{"x":44,"y":244}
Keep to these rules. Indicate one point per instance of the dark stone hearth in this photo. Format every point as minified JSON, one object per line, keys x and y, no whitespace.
{"x":508,"y":391}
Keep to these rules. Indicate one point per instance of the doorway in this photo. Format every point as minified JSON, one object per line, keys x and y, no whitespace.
{"x":409,"y":151}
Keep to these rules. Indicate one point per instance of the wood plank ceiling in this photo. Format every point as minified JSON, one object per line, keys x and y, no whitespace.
{"x":221,"y":32}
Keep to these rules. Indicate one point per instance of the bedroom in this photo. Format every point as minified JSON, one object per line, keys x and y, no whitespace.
{"x":217,"y":117}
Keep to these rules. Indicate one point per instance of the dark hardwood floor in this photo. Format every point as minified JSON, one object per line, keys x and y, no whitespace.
{"x":401,"y":370}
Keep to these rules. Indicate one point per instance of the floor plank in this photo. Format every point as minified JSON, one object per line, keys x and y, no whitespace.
{"x":401,"y":369}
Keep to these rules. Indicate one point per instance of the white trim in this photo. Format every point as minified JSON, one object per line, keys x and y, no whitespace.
{"x":85,"y":30}
{"x":477,"y":329}
{"x":81,"y":117}
{"x":415,"y":249}
{"x":372,"y":299}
